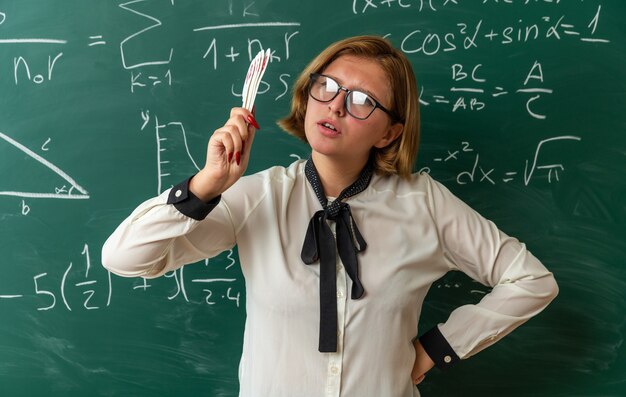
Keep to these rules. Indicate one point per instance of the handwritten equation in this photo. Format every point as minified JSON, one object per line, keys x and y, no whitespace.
{"x":534,"y":167}
{"x":82,"y":288}
{"x":473,"y":94}
{"x":468,"y":36}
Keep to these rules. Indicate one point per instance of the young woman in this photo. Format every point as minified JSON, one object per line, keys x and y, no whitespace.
{"x":350,"y":220}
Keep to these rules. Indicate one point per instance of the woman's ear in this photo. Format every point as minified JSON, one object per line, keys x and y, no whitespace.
{"x":393,"y":132}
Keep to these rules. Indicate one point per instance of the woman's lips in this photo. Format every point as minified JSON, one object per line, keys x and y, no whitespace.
{"x":328,"y":128}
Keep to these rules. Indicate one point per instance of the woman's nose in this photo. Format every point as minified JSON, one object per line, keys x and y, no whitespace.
{"x":338,"y":104}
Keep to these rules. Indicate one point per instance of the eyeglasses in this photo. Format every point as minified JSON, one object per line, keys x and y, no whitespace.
{"x":358,"y":104}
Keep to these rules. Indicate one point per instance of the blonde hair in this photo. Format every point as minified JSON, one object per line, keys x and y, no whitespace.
{"x":399,"y":156}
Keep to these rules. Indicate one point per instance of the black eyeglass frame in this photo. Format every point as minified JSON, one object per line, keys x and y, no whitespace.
{"x":314,"y":76}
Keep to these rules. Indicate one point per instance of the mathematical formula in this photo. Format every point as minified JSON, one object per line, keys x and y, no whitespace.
{"x":84,"y":288}
{"x":534,"y":167}
{"x":474,"y":94}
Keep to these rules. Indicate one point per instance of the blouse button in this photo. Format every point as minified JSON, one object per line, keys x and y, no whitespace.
{"x":178,"y":193}
{"x":334,"y":370}
{"x":447,"y":359}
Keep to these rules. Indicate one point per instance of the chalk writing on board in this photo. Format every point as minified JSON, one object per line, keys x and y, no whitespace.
{"x":25,"y":208}
{"x":32,"y":41}
{"x":553,"y":169}
{"x":236,"y":49}
{"x":481,"y":173}
{"x":22,"y":68}
{"x":250,"y":46}
{"x":232,"y":261}
{"x":247,"y":25}
{"x":217,"y":287}
{"x":66,"y":191}
{"x":169,"y":136}
{"x":143,"y":72}
{"x":473,"y":95}
{"x":265,"y":87}
{"x":96,"y":40}
{"x":140,"y":77}
{"x":85,"y":284}
{"x":153,"y":23}
{"x":82,"y":286}
{"x":22,"y":40}
{"x":471,"y":36}
{"x":44,"y":147}
{"x":363,"y":6}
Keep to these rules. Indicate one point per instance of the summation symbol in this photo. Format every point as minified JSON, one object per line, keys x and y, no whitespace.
{"x":138,"y":80}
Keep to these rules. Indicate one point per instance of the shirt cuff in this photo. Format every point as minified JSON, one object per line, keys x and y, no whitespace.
{"x":438,"y":348}
{"x":188,"y":203}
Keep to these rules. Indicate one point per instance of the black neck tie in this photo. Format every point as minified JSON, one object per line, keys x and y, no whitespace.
{"x":319,"y":244}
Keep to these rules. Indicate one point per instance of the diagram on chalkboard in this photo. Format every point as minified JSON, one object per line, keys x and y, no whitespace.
{"x":27,"y":171}
{"x":172,"y":152}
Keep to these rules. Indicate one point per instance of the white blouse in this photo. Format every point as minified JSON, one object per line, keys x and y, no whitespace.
{"x":416,"y":232}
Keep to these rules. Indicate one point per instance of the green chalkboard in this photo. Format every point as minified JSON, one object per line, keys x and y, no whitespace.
{"x":104,"y":104}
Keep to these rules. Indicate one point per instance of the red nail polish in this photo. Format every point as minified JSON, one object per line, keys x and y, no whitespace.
{"x":238,"y":158}
{"x":252,"y":121}
{"x":230,"y":156}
